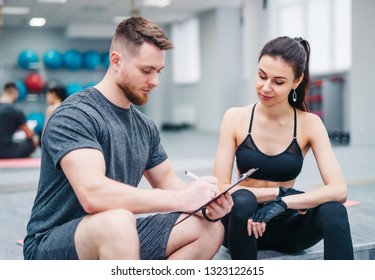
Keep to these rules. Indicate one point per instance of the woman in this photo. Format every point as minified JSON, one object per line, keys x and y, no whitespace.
{"x":275,"y":135}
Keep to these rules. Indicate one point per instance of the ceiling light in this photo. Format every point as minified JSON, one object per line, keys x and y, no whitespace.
{"x":38,"y":22}
{"x":8,"y":10}
{"x":53,"y":1}
{"x":157,"y":3}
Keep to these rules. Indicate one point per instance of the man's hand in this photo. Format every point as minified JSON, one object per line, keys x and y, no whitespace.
{"x":198,"y":193}
{"x":257,"y":224}
{"x":219,"y":208}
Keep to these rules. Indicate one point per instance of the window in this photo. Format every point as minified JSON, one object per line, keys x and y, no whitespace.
{"x":186,"y":54}
{"x":326,"y":24}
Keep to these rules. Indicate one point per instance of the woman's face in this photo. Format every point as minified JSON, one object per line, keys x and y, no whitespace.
{"x":274,"y":80}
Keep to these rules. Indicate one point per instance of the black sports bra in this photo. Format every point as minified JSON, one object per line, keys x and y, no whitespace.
{"x":277,"y":168}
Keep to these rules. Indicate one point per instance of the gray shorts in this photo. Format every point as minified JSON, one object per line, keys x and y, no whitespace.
{"x":154,"y":231}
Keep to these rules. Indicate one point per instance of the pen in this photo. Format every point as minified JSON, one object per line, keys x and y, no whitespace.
{"x":191,"y":175}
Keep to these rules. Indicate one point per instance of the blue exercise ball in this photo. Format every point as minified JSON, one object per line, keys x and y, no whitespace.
{"x":53,"y":59}
{"x":27,"y":58}
{"x":22,"y":90}
{"x":91,"y":59}
{"x":73,"y":59}
{"x":39,"y":118}
{"x":72,"y":88}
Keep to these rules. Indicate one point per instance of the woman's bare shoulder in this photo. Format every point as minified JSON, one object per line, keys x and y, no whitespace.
{"x":309,"y":119}
{"x":311,"y":126}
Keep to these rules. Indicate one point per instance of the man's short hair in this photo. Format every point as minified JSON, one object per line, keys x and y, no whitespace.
{"x":60,"y":92}
{"x":136,"y":30}
{"x":9,"y":86}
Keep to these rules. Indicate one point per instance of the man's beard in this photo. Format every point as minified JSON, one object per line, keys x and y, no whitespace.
{"x":130,"y":94}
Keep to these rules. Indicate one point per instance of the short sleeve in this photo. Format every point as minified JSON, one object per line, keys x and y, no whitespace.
{"x":157,"y":153}
{"x":68,"y":130}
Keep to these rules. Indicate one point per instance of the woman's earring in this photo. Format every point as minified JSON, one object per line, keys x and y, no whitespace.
{"x":294,"y":95}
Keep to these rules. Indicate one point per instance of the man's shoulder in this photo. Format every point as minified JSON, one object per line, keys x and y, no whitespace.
{"x":76,"y":102}
{"x":10,"y":108}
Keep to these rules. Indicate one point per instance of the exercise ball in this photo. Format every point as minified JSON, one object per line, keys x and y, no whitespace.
{"x":72,"y":59}
{"x":27,"y":58}
{"x":22,"y":90}
{"x":52,"y":59}
{"x":105,"y":59}
{"x":91,"y":60}
{"x":34,"y":83}
{"x":39,"y":118}
{"x":72,"y":88}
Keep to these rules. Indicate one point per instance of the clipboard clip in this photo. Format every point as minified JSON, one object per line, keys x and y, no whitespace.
{"x":243,"y":177}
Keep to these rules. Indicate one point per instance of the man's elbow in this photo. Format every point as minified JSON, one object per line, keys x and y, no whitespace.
{"x":90,"y":200}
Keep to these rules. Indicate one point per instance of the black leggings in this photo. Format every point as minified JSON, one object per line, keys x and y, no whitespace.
{"x":290,"y":232}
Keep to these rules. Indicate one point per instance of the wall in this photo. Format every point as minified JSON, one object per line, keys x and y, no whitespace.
{"x":220,"y":83}
{"x":361,"y":97}
{"x":14,"y":40}
{"x":220,"y":87}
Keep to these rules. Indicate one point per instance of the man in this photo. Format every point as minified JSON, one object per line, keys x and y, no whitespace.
{"x":12,"y":120}
{"x":96,"y":147}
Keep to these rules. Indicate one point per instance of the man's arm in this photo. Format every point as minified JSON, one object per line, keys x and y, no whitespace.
{"x":28,"y":132}
{"x":85,"y":170}
{"x":163,"y":176}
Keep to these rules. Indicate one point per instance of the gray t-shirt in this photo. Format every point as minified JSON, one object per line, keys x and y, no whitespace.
{"x":128,"y":139}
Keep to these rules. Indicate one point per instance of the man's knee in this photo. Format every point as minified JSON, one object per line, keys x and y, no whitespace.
{"x":117,"y":221}
{"x":213,"y":232}
{"x":100,"y":236}
{"x":111,"y":224}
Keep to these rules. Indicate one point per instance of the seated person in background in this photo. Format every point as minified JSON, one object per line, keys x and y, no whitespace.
{"x":55,"y":96}
{"x":12,"y":120}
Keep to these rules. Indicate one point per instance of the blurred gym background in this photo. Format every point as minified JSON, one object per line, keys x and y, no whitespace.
{"x":212,"y":68}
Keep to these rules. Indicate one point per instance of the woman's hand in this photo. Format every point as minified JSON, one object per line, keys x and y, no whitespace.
{"x":257,"y":223}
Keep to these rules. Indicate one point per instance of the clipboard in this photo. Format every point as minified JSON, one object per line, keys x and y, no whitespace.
{"x":243,"y":177}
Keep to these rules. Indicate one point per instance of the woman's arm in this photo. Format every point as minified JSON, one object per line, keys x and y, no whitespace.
{"x":226,"y":149}
{"x":334,"y":187}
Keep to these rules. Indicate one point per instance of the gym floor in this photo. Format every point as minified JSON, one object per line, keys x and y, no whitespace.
{"x":190,"y":150}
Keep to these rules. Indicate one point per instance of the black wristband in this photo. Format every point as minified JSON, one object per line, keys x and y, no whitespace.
{"x":281,"y":202}
{"x":206,"y":217}
{"x":282,"y":191}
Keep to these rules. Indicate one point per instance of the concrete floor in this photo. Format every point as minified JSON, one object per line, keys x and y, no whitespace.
{"x":195,"y":151}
